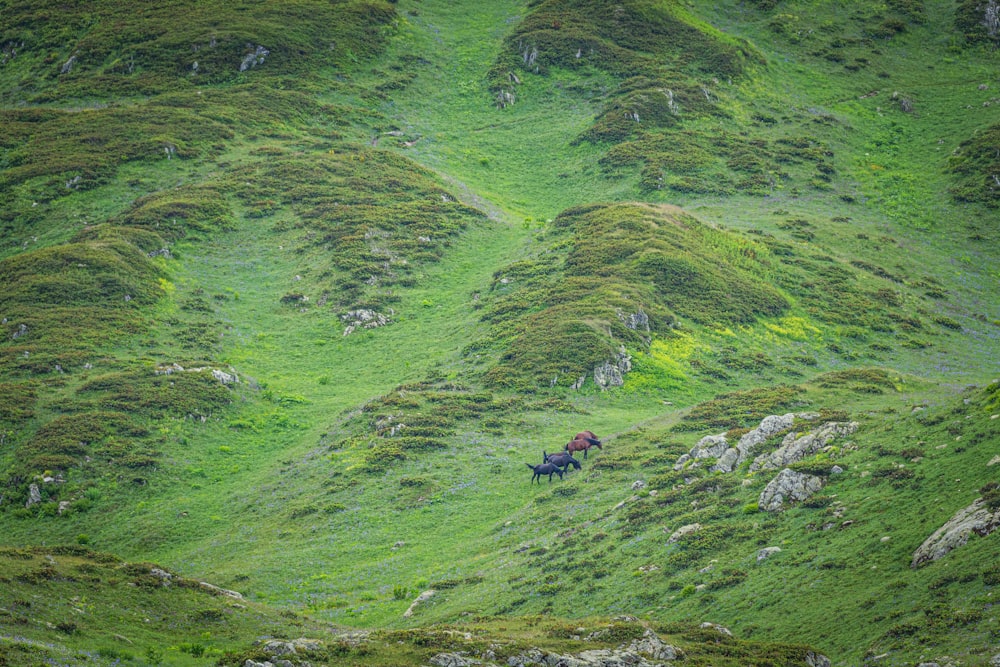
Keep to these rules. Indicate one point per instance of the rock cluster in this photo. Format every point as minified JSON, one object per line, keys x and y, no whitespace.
{"x":364,"y":319}
{"x":795,"y":448}
{"x":646,"y":651}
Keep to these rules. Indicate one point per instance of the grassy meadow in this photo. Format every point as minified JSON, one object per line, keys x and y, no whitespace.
{"x":291,"y":292}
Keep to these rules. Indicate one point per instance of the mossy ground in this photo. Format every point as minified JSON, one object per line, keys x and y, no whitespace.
{"x":242,"y":213}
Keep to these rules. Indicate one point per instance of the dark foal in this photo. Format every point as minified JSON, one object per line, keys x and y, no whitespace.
{"x":562,"y":459}
{"x":544,"y":469}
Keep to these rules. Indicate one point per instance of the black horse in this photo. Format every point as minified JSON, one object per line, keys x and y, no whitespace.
{"x":562,"y":459}
{"x":544,"y":469}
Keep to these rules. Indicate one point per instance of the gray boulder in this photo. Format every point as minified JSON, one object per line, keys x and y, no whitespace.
{"x":729,"y":460}
{"x":788,"y":486}
{"x":976,"y":518}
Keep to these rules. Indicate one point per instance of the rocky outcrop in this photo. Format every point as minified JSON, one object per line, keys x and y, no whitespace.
{"x":976,"y":518}
{"x":647,"y":651}
{"x":788,"y":486}
{"x":612,"y":373}
{"x":729,"y":457}
{"x":795,"y":448}
{"x":222,"y":376}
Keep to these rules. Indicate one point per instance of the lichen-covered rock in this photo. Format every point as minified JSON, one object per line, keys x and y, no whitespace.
{"x":34,"y":496}
{"x":768,"y":427}
{"x":976,"y":518}
{"x":817,"y":660}
{"x":788,"y":486}
{"x":794,"y":448}
{"x":729,"y":460}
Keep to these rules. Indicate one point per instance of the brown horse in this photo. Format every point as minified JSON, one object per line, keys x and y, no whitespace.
{"x":582,"y":445}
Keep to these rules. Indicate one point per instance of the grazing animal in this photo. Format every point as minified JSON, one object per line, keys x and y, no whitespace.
{"x":582,"y":445}
{"x":562,"y":459}
{"x":588,"y":435}
{"x":544,"y":469}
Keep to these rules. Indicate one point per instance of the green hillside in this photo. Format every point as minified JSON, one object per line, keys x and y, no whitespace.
{"x":291,"y":292}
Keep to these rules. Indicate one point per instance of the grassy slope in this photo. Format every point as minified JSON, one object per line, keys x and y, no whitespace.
{"x":267,"y":459}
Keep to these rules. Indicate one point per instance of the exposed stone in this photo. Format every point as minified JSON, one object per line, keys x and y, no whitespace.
{"x":768,"y":427}
{"x":976,"y":518}
{"x":836,"y":470}
{"x":162,"y":575}
{"x":453,"y":660}
{"x":254,"y":663}
{"x":995,"y":660}
{"x":21,"y":331}
{"x":365,"y":319}
{"x":224,"y":377}
{"x":788,"y":486}
{"x":794,"y":448}
{"x":729,"y":460}
{"x":638,"y":653}
{"x":220,"y":591}
{"x":682,"y":531}
{"x":255,"y":57}
{"x":34,"y":496}
{"x":276,"y":648}
{"x":721,"y":629}
{"x":638,"y":321}
{"x":611,"y":373}
{"x":817,"y":660}
{"x":638,"y":484}
{"x":423,"y":597}
{"x":767,"y":552}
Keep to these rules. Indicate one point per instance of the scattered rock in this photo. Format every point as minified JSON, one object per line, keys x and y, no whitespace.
{"x":423,"y":597}
{"x":721,"y":629}
{"x":767,"y":552}
{"x":21,"y":331}
{"x":788,"y":486}
{"x":976,"y":518}
{"x":836,"y":470}
{"x":63,"y":506}
{"x":638,"y":484}
{"x":34,"y":496}
{"x":682,"y":531}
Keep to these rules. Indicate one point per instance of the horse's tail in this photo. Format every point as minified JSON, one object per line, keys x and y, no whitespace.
{"x":530,"y":466}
